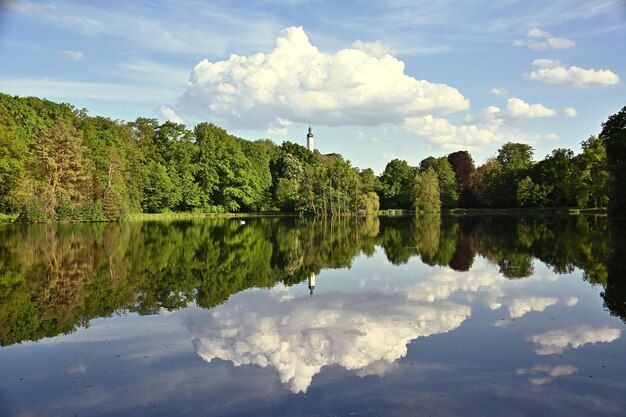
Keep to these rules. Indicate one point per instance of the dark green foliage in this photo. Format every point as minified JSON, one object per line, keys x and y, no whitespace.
{"x":557,"y":174}
{"x":592,"y":182}
{"x":614,"y":136}
{"x":396,"y":185}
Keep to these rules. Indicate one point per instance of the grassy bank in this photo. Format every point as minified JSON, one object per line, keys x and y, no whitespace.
{"x":192,"y":215}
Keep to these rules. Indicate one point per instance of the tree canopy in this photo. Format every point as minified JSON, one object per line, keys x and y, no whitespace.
{"x":58,"y":163}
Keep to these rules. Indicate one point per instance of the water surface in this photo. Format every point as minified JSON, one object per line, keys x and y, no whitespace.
{"x":481,"y":316}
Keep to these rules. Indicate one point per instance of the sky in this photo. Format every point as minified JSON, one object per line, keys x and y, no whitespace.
{"x":376,"y":80}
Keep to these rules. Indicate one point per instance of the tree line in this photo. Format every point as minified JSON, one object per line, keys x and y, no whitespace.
{"x":58,"y":163}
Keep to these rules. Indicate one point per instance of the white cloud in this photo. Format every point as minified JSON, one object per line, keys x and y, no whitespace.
{"x":542,"y":374}
{"x":453,"y":136}
{"x":537,"y":33}
{"x":73,"y":55}
{"x":539,"y":40}
{"x":170,"y":114}
{"x":364,"y":333}
{"x":554,"y":72}
{"x":557,"y":341}
{"x":376,"y":48}
{"x":297,"y":82}
{"x":502,"y":92}
{"x":279,"y":127}
{"x":518,"y":108}
{"x":570,"y":112}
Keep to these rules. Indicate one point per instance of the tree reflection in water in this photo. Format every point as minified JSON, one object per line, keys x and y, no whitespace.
{"x":55,"y":278}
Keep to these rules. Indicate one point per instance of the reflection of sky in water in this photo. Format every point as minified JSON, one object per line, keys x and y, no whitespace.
{"x":362,"y":332}
{"x":374,"y":339}
{"x":363,"y":325}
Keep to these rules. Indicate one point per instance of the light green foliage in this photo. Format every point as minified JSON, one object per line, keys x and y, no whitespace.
{"x":368,"y":181}
{"x":592,"y":183}
{"x":448,"y":189}
{"x":160,"y":193}
{"x":368,"y":203}
{"x":425,"y":194}
{"x":530,"y":194}
{"x":515,"y":157}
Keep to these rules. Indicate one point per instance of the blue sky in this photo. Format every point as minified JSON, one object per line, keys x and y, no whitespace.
{"x":377,"y":80}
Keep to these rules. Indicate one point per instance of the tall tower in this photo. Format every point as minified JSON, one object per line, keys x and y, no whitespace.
{"x":311,"y":283}
{"x":309,"y":140}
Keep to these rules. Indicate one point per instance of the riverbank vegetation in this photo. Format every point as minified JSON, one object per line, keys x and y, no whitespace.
{"x":58,"y":163}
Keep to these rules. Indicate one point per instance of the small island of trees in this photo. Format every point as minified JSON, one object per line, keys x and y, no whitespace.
{"x":58,"y":163}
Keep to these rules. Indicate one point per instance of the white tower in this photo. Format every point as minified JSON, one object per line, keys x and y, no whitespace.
{"x":311,"y":283}
{"x":309,"y":140}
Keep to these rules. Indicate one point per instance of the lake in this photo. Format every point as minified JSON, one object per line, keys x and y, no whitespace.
{"x":389,"y":316}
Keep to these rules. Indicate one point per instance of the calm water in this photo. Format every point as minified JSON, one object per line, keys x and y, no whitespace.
{"x":477,"y":316}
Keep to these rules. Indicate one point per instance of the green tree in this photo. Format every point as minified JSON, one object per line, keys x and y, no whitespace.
{"x":557,"y":175}
{"x":592,"y":182}
{"x":14,"y":147}
{"x":530,"y":194}
{"x":448,"y":192}
{"x":614,"y":136}
{"x":396,"y":182}
{"x":425,"y":194}
{"x":487,"y":182}
{"x":62,"y":176}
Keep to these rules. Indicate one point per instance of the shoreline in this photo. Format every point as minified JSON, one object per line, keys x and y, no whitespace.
{"x":457,"y":212}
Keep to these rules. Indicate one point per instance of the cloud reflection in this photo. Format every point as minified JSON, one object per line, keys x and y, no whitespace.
{"x":365,"y":333}
{"x":542,"y":374}
{"x":557,"y":341}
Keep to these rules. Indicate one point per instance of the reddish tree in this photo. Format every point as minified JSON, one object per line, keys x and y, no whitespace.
{"x":463,"y":167}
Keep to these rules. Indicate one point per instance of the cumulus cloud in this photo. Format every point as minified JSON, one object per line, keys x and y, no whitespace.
{"x":554,"y":72}
{"x":538,"y":40}
{"x":73,"y":55}
{"x":376,"y":48}
{"x":519,"y":307}
{"x":502,"y":92}
{"x":297,"y":82}
{"x":542,"y":374}
{"x":452,"y":136}
{"x":570,"y":112}
{"x":278,"y":127}
{"x":518,"y":108}
{"x":170,"y":114}
{"x":364,"y":333}
{"x":557,"y":341}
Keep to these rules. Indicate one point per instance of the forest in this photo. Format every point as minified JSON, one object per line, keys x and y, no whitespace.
{"x":58,"y":163}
